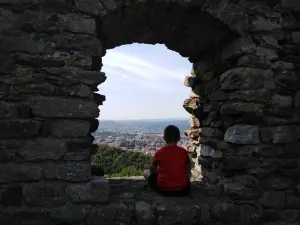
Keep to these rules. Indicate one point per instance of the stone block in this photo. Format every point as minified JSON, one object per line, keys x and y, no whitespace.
{"x":67,"y":128}
{"x":19,"y":2}
{"x":226,"y":212}
{"x":12,"y":172}
{"x":61,"y":6}
{"x":207,"y":151}
{"x":278,"y":135}
{"x":71,"y":77}
{"x":240,"y":107}
{"x":69,"y":214}
{"x":24,"y":216}
{"x":42,"y":149}
{"x":11,"y":195}
{"x":115,"y":213}
{"x":238,"y":191}
{"x":90,"y":7}
{"x":195,"y":133}
{"x":211,"y":132}
{"x":191,"y":104}
{"x":263,"y":24}
{"x":189,"y":81}
{"x":20,"y":76}
{"x":144,"y":213}
{"x":96,"y":191}
{"x":194,"y":122}
{"x":283,"y":101}
{"x":291,"y":4}
{"x":274,"y":199}
{"x":22,"y":44}
{"x":78,"y":156}
{"x":19,"y":128}
{"x":242,"y":134}
{"x":78,"y":24}
{"x":44,"y":194}
{"x":261,"y":96}
{"x":68,"y":171}
{"x":242,"y":79}
{"x":62,"y":107}
{"x":238,"y":47}
{"x":277,"y":182}
{"x":297,"y":100}
{"x":85,"y":43}
{"x":237,"y":163}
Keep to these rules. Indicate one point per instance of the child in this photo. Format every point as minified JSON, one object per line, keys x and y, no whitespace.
{"x":169,"y":171}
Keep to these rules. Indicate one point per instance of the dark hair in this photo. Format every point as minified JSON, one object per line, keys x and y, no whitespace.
{"x":171,"y":134}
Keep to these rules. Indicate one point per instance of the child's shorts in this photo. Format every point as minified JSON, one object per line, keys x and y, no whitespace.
{"x":152,"y":181}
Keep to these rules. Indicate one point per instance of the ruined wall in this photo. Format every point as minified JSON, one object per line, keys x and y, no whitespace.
{"x":244,"y":102}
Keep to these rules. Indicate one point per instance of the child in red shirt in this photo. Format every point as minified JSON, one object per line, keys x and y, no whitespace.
{"x":170,"y":166}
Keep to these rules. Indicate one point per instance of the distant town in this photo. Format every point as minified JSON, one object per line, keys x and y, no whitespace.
{"x":143,"y":135}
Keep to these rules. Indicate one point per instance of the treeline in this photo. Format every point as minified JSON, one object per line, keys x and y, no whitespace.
{"x":117,"y":162}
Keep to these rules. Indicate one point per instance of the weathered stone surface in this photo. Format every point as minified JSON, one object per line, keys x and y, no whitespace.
{"x":71,"y":77}
{"x":211,"y":132}
{"x":12,"y":172}
{"x":240,"y":107}
{"x":44,"y":194}
{"x":62,"y":6}
{"x":191,"y":104}
{"x":78,"y":24}
{"x":11,"y":195}
{"x":226,"y":212}
{"x":194,"y":133}
{"x":21,"y":44}
{"x":278,"y":182}
{"x":274,"y":199}
{"x":84,"y":43}
{"x":190,"y":81}
{"x":69,"y":128}
{"x":96,"y":191}
{"x":297,"y":100}
{"x":69,"y":214}
{"x":117,"y":213}
{"x":63,"y":107}
{"x":282,"y":101}
{"x":194,"y":122}
{"x":278,"y":135}
{"x":242,"y":134}
{"x":292,"y":4}
{"x":68,"y":171}
{"x":207,"y":151}
{"x":261,"y":96}
{"x":91,"y":7}
{"x":240,"y":192}
{"x":238,"y":47}
{"x":42,"y":149}
{"x":242,"y":78}
{"x":19,"y":128}
{"x":144,"y":213}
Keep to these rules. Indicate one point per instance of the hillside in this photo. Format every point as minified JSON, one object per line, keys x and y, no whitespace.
{"x":119,"y":163}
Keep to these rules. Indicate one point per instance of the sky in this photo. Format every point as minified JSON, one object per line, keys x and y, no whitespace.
{"x":144,"y":82}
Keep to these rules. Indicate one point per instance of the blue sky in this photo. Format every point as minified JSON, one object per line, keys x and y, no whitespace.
{"x":144,"y":82}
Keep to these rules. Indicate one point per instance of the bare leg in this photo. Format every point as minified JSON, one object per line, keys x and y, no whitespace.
{"x":146,"y":174}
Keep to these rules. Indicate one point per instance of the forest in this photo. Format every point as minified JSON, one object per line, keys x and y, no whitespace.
{"x":116,"y":162}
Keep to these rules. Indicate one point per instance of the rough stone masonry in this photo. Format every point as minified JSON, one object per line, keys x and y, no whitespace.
{"x":244,"y":105}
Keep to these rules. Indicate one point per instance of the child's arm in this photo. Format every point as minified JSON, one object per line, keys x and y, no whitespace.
{"x":153,"y":169}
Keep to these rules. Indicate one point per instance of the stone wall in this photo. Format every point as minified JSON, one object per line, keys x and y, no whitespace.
{"x":244,"y":103}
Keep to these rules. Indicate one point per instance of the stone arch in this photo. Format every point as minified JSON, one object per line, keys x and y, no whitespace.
{"x":244,"y":105}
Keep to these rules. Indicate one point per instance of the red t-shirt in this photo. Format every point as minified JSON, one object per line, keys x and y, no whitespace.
{"x":172,"y":162}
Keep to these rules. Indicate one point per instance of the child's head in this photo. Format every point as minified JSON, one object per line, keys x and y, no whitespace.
{"x":171,"y":134}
